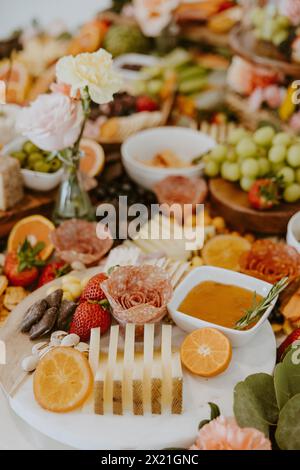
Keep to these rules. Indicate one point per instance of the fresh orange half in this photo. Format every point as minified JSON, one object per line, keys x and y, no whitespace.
{"x":63,"y":380}
{"x":206,"y":352}
{"x":92,"y":161}
{"x":36,"y":228}
{"x":224,"y":251}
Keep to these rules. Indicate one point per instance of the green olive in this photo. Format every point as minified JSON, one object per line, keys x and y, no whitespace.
{"x":35,"y":157}
{"x":55,"y":165}
{"x":42,"y":166}
{"x":21,"y":156}
{"x":29,"y":147}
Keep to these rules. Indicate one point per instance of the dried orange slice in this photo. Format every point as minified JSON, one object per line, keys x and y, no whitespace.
{"x":36,"y":228}
{"x":206,"y":352}
{"x":93,"y":158}
{"x":63,"y":380}
{"x":224,"y":251}
{"x":17,"y":79}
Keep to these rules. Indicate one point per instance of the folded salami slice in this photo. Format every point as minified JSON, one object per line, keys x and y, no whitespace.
{"x":138,"y":294}
{"x":271,"y":261}
{"x":180,"y":190}
{"x":77,"y":240}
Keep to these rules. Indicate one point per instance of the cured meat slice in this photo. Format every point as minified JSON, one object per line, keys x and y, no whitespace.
{"x":138,"y":294}
{"x":180,"y":190}
{"x":77,"y":240}
{"x":271,"y":261}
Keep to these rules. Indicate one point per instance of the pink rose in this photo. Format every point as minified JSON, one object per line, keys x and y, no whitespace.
{"x":52,"y":122}
{"x":291,"y":9}
{"x":225,"y":434}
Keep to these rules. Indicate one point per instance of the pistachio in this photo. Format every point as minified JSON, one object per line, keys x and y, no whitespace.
{"x":39,"y":347}
{"x":82,"y":347}
{"x":57,"y":337}
{"x":29,"y":363}
{"x":46,"y":350}
{"x":70,"y":340}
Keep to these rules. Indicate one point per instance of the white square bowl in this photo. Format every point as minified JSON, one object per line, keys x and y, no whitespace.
{"x":223,"y":276}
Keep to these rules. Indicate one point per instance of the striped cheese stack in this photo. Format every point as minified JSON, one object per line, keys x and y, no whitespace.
{"x":133,"y":381}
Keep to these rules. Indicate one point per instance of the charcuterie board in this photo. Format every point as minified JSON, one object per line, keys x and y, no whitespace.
{"x":136,"y":432}
{"x":229,"y":201}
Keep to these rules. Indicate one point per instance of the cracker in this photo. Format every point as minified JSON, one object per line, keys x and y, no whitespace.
{"x":3,"y":284}
{"x":13,"y":296}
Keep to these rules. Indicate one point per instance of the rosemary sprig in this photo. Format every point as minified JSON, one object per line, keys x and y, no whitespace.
{"x":257,"y":310}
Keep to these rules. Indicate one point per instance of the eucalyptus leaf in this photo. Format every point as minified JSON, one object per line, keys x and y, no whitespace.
{"x":287,"y":377}
{"x":255,"y":403}
{"x":288,"y":428}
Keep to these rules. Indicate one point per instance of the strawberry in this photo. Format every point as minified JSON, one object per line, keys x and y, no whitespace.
{"x":21,"y":267}
{"x":294,"y":336}
{"x":145,"y":103}
{"x":264,"y":194}
{"x":90,"y":315}
{"x":92,"y":290}
{"x":53,"y":271}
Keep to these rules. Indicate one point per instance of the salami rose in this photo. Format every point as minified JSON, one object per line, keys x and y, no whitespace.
{"x":271,"y":261}
{"x":180,"y":190}
{"x":76,"y":240}
{"x":138,"y":294}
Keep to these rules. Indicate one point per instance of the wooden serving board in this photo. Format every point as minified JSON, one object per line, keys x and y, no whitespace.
{"x":230,"y":202}
{"x":32,"y":202}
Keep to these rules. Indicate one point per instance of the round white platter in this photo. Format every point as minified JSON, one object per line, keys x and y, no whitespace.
{"x":83,"y":430}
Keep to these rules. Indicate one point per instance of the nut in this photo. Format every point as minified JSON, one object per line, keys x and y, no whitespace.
{"x":82,"y":347}
{"x":70,"y":340}
{"x":57,"y":337}
{"x":45,"y":351}
{"x":29,"y":363}
{"x":39,"y":347}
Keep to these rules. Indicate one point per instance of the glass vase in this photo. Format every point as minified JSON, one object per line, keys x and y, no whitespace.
{"x":73,"y":201}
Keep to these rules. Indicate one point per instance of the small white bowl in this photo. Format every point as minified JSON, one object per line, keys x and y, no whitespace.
{"x":186,"y":143}
{"x":293,"y":232}
{"x":35,"y":180}
{"x":223,"y":276}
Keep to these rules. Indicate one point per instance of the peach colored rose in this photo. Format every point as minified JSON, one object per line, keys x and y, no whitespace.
{"x":52,"y":122}
{"x":154,"y":15}
{"x":225,"y":434}
{"x":272,"y":95}
{"x":291,"y":9}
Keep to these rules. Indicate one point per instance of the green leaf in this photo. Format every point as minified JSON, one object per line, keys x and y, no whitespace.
{"x":38,"y":248}
{"x":255,"y":403}
{"x":287,"y":377}
{"x":214,"y":411}
{"x":288,"y":428}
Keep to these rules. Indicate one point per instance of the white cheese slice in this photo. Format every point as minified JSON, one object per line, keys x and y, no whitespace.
{"x":156,"y":384}
{"x":109,"y":374}
{"x":94,"y":352}
{"x":166,"y":357}
{"x":128,"y":367}
{"x":148,"y":363}
{"x":137,"y":386}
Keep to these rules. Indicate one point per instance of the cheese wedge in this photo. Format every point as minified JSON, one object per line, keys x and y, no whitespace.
{"x":156,"y":384}
{"x":137,"y":385}
{"x":109,"y":374}
{"x":148,"y":365}
{"x":128,"y":368}
{"x":166,"y":358}
{"x":177,"y":385}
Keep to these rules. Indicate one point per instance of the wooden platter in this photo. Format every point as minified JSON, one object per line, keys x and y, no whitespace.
{"x":230,"y":202}
{"x":32,"y":202}
{"x":261,"y":53}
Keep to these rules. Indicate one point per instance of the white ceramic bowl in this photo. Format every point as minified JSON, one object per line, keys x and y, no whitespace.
{"x":223,"y":276}
{"x":293,"y":232}
{"x":142,"y":60}
{"x":35,"y":180}
{"x":186,"y":143}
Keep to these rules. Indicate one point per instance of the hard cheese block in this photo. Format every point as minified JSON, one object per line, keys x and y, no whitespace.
{"x":134,"y":381}
{"x":11,"y":183}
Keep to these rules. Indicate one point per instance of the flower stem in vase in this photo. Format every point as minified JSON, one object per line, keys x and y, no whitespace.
{"x":73,"y":202}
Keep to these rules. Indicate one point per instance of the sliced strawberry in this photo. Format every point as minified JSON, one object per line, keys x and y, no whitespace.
{"x":145,"y":103}
{"x":294,"y":336}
